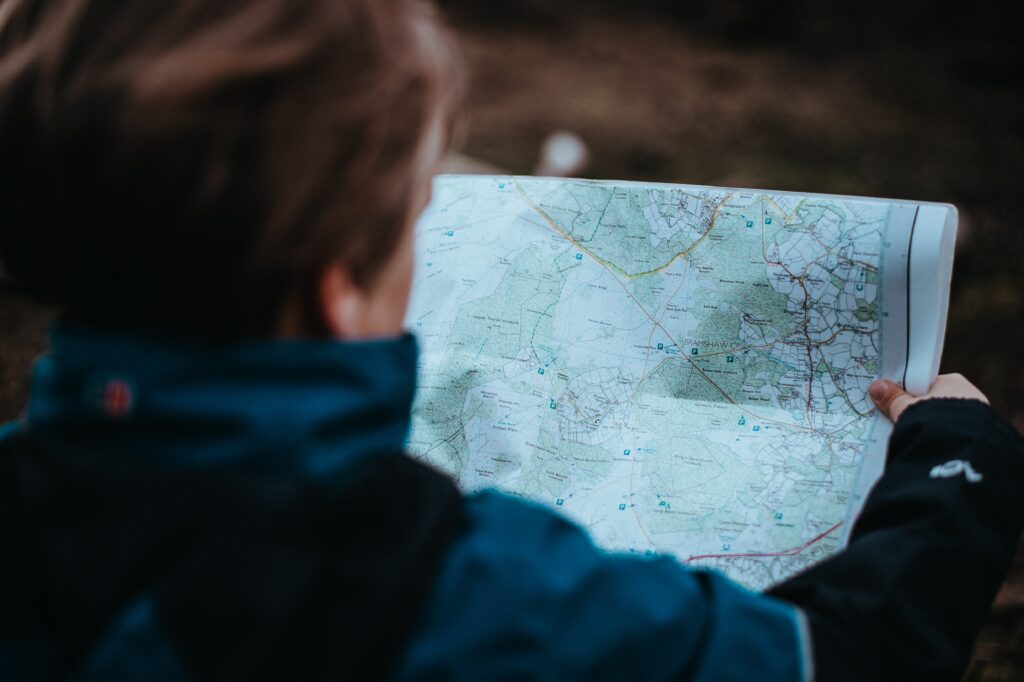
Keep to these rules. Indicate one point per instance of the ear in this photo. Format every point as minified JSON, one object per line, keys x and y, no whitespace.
{"x":341,"y":305}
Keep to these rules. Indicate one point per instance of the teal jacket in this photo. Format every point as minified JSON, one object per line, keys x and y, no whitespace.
{"x":520,"y":592}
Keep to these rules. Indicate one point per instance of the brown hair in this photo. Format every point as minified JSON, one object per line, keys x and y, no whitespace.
{"x":182,"y":167}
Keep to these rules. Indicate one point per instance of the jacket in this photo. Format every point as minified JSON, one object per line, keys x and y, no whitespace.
{"x":264,"y":488}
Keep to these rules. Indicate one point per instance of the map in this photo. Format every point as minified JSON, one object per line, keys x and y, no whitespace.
{"x":680,"y":370}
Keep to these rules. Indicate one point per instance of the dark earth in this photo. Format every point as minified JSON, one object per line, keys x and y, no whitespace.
{"x":912,"y":100}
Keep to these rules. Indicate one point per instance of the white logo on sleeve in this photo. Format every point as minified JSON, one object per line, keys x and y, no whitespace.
{"x":955,"y":468}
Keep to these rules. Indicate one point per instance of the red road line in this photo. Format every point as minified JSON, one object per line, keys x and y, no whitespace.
{"x":788,"y":552}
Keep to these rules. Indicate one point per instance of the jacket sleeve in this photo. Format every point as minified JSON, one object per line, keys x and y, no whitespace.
{"x":525,"y":594}
{"x":928,"y":553}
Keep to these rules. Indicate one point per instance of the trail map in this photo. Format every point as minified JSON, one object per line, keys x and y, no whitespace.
{"x":681,"y":370}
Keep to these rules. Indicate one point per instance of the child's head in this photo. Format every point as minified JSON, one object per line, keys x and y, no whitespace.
{"x":219,"y":169}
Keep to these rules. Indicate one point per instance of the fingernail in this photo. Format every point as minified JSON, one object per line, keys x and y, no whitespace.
{"x":879,"y":390}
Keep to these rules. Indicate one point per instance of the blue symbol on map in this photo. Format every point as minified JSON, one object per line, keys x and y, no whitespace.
{"x":767,"y":221}
{"x":450,"y":233}
{"x":540,"y":371}
{"x":693,"y":351}
{"x":552,"y":404}
{"x":757,"y":428}
{"x":559,"y":501}
{"x":579,"y":256}
{"x":750,"y":223}
{"x":622,"y":507}
{"x":742,"y":421}
{"x":778,"y":516}
{"x":626,"y":453}
{"x":729,"y":358}
{"x":661,"y":346}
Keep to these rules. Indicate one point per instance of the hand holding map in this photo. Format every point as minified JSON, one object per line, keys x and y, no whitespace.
{"x":893,"y":400}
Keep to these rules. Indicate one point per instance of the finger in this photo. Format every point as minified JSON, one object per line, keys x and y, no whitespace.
{"x":890,"y":398}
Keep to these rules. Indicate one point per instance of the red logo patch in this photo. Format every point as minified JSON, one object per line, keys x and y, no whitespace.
{"x":116,"y":398}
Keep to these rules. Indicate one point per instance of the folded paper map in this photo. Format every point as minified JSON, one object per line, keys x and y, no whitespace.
{"x":681,"y":370}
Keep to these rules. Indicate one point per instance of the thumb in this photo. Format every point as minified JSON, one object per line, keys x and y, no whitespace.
{"x":890,"y":398}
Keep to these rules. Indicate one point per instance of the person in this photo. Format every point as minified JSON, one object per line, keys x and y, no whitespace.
{"x":209,"y":480}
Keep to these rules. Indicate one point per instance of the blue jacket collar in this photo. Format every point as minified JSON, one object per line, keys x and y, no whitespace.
{"x":309,"y":408}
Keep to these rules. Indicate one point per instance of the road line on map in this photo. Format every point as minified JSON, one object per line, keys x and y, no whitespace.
{"x":554,"y":224}
{"x":753,"y":555}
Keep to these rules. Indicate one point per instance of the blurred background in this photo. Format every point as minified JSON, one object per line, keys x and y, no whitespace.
{"x":912,"y":100}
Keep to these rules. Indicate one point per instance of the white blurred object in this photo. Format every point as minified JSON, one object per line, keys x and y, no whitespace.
{"x":562,"y":154}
